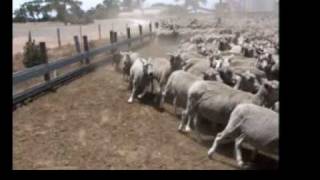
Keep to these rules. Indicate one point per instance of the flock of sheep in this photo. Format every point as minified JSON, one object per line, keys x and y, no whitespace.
{"x":226,"y":74}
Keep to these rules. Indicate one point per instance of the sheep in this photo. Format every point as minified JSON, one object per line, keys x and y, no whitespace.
{"x":178,"y":85}
{"x":162,"y":70}
{"x":248,"y":78}
{"x":141,"y":73}
{"x":270,"y":65}
{"x":247,"y":81}
{"x":128,"y":58}
{"x":215,"y":101}
{"x":253,"y":124}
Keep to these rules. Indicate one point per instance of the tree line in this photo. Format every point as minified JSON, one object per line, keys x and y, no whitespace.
{"x":70,"y":11}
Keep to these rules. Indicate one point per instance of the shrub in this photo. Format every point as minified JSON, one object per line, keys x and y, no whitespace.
{"x":32,"y":55}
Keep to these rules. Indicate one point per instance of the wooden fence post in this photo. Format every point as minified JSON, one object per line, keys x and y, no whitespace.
{"x":140,"y":32}
{"x":99,"y":29}
{"x":115,"y":39}
{"x":80,"y":35}
{"x":111,"y":36}
{"x":129,"y":36}
{"x":115,"y":36}
{"x":43,"y":51}
{"x":58,"y":37}
{"x":29,"y":37}
{"x":86,"y":48}
{"x":150,"y":27}
{"x":77,"y":45}
{"x":112,"y":40}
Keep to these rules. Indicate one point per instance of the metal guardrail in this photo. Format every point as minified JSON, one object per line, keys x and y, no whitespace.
{"x":43,"y":69}
{"x":40,"y":70}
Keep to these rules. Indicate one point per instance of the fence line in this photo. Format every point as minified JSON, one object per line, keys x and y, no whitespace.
{"x":47,"y":68}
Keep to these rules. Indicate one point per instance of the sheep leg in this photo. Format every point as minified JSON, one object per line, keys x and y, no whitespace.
{"x":254,"y":154}
{"x":158,"y":95}
{"x":163,"y":96}
{"x":197,"y":131}
{"x":175,"y":104}
{"x":130,"y":100}
{"x":218,"y":139}
{"x":238,"y":142}
{"x":189,"y":115}
{"x":188,"y":128}
{"x":143,"y":93}
{"x":183,"y":120}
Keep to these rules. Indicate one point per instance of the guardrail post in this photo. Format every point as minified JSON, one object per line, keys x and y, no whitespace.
{"x":140,"y":32}
{"x":129,"y":36}
{"x":58,"y":37}
{"x":43,"y":51}
{"x":77,"y":45}
{"x":86,"y":48}
{"x":99,"y":29}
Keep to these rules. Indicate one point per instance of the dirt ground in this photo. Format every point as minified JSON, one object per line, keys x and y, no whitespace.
{"x":88,"y":124}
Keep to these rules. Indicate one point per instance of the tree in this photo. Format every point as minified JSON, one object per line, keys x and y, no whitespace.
{"x":20,"y":15}
{"x":127,"y":4}
{"x":195,"y":4}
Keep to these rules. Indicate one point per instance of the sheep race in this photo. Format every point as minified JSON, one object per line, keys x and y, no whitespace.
{"x":202,"y":94}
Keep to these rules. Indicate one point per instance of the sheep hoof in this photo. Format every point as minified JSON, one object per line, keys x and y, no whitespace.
{"x":187,"y":129}
{"x":210,"y":154}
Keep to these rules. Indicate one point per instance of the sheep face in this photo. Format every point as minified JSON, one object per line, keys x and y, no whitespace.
{"x":148,"y":69}
{"x":249,"y":82}
{"x":176,"y":61}
{"x":272,"y":89}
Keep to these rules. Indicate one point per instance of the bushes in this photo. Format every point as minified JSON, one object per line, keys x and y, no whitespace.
{"x":32,"y":55}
